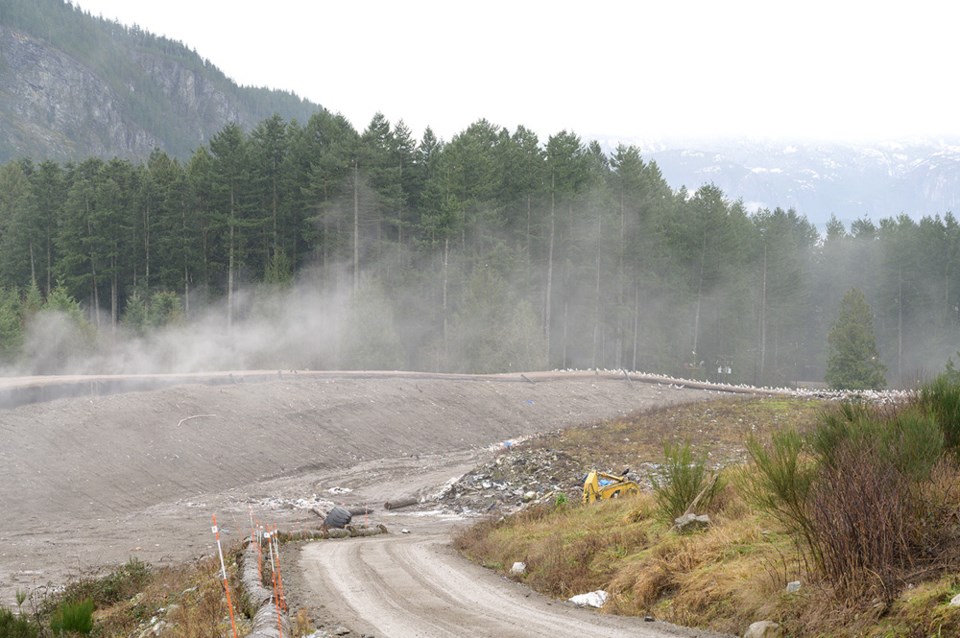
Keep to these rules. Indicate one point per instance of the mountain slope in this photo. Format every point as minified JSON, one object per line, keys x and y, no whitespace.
{"x":72,"y":86}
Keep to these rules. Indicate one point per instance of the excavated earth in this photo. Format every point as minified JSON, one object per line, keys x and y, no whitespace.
{"x":93,"y":480}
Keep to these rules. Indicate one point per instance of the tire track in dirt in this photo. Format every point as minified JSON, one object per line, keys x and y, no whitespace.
{"x":416,"y":586}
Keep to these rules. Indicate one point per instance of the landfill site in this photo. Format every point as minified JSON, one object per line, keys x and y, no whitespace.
{"x":101,"y":470}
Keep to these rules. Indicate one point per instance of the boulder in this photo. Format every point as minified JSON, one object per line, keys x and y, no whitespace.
{"x":691,"y":522}
{"x":764,"y":629}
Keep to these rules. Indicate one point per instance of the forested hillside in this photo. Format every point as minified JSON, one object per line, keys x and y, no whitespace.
{"x":493,"y":251}
{"x":74,"y":86}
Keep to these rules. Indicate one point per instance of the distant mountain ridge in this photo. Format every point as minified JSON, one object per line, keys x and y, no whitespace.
{"x":74,"y":86}
{"x":918,"y":177}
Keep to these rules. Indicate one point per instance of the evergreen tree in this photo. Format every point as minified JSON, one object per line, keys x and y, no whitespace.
{"x":11,"y":332}
{"x":854,"y":361}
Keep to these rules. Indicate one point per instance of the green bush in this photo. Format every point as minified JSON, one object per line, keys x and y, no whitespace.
{"x":684,"y":480}
{"x":910,"y":439}
{"x":855,"y":492}
{"x":914,"y":443}
{"x":16,"y":626}
{"x":75,"y":616}
{"x":941,"y":399}
{"x":121,"y":584}
{"x":782,"y":481}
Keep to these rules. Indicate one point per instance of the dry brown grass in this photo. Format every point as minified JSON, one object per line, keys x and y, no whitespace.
{"x":189,"y":600}
{"x":568,"y":549}
{"x":736,"y":571}
{"x":716,"y":427}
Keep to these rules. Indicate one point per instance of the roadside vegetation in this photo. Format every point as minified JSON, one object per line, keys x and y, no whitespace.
{"x":829,"y":519}
{"x":184,"y":601}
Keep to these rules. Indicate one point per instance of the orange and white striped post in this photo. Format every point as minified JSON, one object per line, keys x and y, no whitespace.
{"x":276,"y":537}
{"x":260,"y":551}
{"x":273,"y":574}
{"x":223,"y":570}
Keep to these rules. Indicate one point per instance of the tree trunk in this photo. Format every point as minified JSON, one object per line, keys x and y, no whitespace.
{"x":96,"y":293}
{"x":276,"y":240}
{"x":900,"y":326}
{"x":33,"y":266}
{"x":49,"y":259}
{"x":763,"y":317}
{"x":230,"y":279}
{"x":566,"y":308}
{"x":400,"y":210}
{"x":621,"y":278}
{"x":113,"y":294}
{"x":146,"y":247}
{"x":549,"y":292}
{"x":446,"y":262}
{"x":529,"y":213}
{"x":636,"y":323}
{"x":696,"y":316}
{"x":596,"y":315}
{"x":356,"y":226}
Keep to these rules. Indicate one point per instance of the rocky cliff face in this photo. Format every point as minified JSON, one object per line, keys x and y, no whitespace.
{"x":202,"y":107}
{"x":54,"y":106}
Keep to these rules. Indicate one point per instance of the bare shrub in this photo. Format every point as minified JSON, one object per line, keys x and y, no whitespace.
{"x":863,"y":521}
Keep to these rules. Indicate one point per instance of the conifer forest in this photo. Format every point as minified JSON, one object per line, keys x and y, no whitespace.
{"x":494,"y":251}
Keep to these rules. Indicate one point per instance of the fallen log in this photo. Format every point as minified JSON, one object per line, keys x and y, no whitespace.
{"x":401,"y":503}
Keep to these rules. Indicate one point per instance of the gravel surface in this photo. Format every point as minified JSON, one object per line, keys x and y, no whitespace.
{"x":91,"y":481}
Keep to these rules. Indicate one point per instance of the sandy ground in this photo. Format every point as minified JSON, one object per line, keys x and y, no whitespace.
{"x":92,"y":481}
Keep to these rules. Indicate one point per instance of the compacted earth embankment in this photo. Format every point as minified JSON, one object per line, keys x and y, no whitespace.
{"x":97,"y":479}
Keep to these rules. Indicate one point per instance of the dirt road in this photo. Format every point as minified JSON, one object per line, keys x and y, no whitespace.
{"x":407,"y":586}
{"x":94,"y":480}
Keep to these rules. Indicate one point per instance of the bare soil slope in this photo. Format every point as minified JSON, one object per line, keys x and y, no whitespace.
{"x":93,"y":481}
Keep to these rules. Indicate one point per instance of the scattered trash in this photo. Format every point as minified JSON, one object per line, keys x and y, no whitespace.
{"x":404,"y":531}
{"x":793,"y":587}
{"x":338,"y":518}
{"x":590,"y":599}
{"x":518,"y":569}
{"x":313,"y":502}
{"x":515,"y":478}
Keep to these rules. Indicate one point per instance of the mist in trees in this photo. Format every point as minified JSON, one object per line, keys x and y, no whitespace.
{"x":316,"y":245}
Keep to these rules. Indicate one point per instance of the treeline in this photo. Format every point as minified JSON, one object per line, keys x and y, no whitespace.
{"x":490,"y":252}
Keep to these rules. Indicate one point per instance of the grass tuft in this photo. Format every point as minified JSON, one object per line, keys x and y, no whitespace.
{"x":684,"y":484}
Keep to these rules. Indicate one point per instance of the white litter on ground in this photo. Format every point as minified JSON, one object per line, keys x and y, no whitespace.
{"x":590,"y":599}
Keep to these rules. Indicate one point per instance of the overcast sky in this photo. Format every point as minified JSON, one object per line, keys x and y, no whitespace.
{"x":633,"y":70}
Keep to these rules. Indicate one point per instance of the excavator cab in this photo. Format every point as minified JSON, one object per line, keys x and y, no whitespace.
{"x":599,"y":485}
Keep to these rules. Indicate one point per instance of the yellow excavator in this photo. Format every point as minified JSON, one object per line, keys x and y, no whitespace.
{"x":601,"y":485}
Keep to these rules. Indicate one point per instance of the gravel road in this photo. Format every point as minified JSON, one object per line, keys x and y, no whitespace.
{"x":416,"y":586}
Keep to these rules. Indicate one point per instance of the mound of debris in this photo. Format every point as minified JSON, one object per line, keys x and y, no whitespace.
{"x":516,"y":477}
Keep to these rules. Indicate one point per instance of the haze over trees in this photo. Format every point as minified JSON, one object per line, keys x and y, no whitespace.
{"x":493,"y":251}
